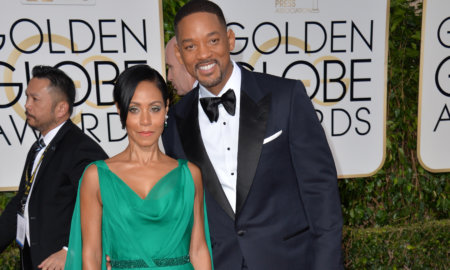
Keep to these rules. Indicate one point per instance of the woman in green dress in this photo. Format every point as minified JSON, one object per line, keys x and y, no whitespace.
{"x":140,"y":208}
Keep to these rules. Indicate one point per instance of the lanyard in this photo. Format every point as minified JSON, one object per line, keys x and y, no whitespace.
{"x":29,"y":179}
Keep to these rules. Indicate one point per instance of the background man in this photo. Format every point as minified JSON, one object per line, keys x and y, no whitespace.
{"x":42,"y":209}
{"x":177,"y":74}
{"x":271,"y":187}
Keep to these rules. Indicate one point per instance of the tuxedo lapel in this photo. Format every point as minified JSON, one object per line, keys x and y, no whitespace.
{"x":190,"y":136}
{"x":255,"y":107}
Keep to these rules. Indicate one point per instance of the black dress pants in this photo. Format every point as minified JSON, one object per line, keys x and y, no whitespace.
{"x":25,"y":257}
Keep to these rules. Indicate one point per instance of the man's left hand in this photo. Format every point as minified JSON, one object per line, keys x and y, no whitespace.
{"x":56,"y":261}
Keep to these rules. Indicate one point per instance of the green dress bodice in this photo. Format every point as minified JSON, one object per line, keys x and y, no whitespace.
{"x":149,"y":233}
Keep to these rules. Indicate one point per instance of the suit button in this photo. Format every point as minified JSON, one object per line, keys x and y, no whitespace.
{"x":32,"y":218}
{"x":241,"y":232}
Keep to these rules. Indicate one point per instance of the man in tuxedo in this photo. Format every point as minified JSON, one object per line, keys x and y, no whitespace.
{"x":270,"y":181}
{"x":39,"y":215}
{"x":177,"y":74}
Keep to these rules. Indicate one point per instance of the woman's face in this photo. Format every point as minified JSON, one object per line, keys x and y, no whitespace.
{"x":146,"y":115}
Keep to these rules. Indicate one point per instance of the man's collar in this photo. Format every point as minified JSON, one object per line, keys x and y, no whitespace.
{"x":52,"y":133}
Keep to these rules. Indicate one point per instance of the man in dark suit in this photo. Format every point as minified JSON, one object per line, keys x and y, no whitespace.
{"x":271,"y":188}
{"x":39,"y":215}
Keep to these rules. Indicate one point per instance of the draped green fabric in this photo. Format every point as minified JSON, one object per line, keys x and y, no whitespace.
{"x":149,"y":233}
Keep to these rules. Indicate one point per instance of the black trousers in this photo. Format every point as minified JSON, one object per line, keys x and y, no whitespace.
{"x":244,"y":264}
{"x":25,"y":257}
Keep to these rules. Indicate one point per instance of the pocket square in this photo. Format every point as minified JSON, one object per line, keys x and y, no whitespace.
{"x":272,"y":137}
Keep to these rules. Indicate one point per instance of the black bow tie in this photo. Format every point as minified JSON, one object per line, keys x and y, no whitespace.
{"x":210,"y":105}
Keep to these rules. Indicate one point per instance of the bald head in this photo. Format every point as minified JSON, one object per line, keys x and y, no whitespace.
{"x":177,"y":74}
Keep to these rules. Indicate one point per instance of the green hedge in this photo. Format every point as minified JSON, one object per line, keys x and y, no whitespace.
{"x":379,"y":210}
{"x":10,"y":258}
{"x":418,"y":246}
{"x":402,"y":192}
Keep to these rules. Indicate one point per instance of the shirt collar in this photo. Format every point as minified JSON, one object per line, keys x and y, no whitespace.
{"x":234,"y":82}
{"x":52,"y":133}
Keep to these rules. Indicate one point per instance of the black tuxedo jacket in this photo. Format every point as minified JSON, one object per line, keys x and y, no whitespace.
{"x":288,"y":213}
{"x":54,"y":193}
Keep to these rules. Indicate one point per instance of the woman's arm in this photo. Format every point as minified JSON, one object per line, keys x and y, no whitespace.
{"x":199,"y":253}
{"x":91,"y":219}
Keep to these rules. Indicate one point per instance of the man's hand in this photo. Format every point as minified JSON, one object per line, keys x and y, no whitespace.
{"x":56,"y":261}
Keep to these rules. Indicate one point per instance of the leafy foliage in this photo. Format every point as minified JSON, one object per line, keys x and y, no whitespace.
{"x":10,"y":258}
{"x":418,"y":246}
{"x":170,"y":8}
{"x":402,"y":192}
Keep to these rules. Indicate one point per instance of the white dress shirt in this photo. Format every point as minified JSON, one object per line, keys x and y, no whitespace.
{"x":221,"y":138}
{"x":47,"y":140}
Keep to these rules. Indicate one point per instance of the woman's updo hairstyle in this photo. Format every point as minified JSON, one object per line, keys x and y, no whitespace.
{"x":127,"y":82}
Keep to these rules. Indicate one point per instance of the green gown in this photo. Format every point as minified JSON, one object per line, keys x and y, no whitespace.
{"x":149,"y":233}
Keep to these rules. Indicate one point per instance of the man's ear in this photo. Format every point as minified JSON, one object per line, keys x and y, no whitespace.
{"x":62,"y":109}
{"x":231,"y":39}
{"x":178,"y":53}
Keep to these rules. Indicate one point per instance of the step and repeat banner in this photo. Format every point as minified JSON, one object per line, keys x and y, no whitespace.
{"x":92,"y":41}
{"x":433,"y":134}
{"x":338,"y":49}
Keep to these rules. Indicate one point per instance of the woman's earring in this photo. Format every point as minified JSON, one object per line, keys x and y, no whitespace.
{"x":165,"y":121}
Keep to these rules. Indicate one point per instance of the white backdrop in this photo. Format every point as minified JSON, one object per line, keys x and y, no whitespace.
{"x":339,"y":50}
{"x":91,"y":40}
{"x":434,"y":88}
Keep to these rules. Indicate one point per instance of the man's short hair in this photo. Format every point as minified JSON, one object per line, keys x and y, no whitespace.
{"x":59,"y":82}
{"x":195,"y":6}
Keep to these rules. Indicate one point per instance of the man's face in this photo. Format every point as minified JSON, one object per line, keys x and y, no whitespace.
{"x":204,"y":46}
{"x":177,"y":74}
{"x":40,"y":105}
